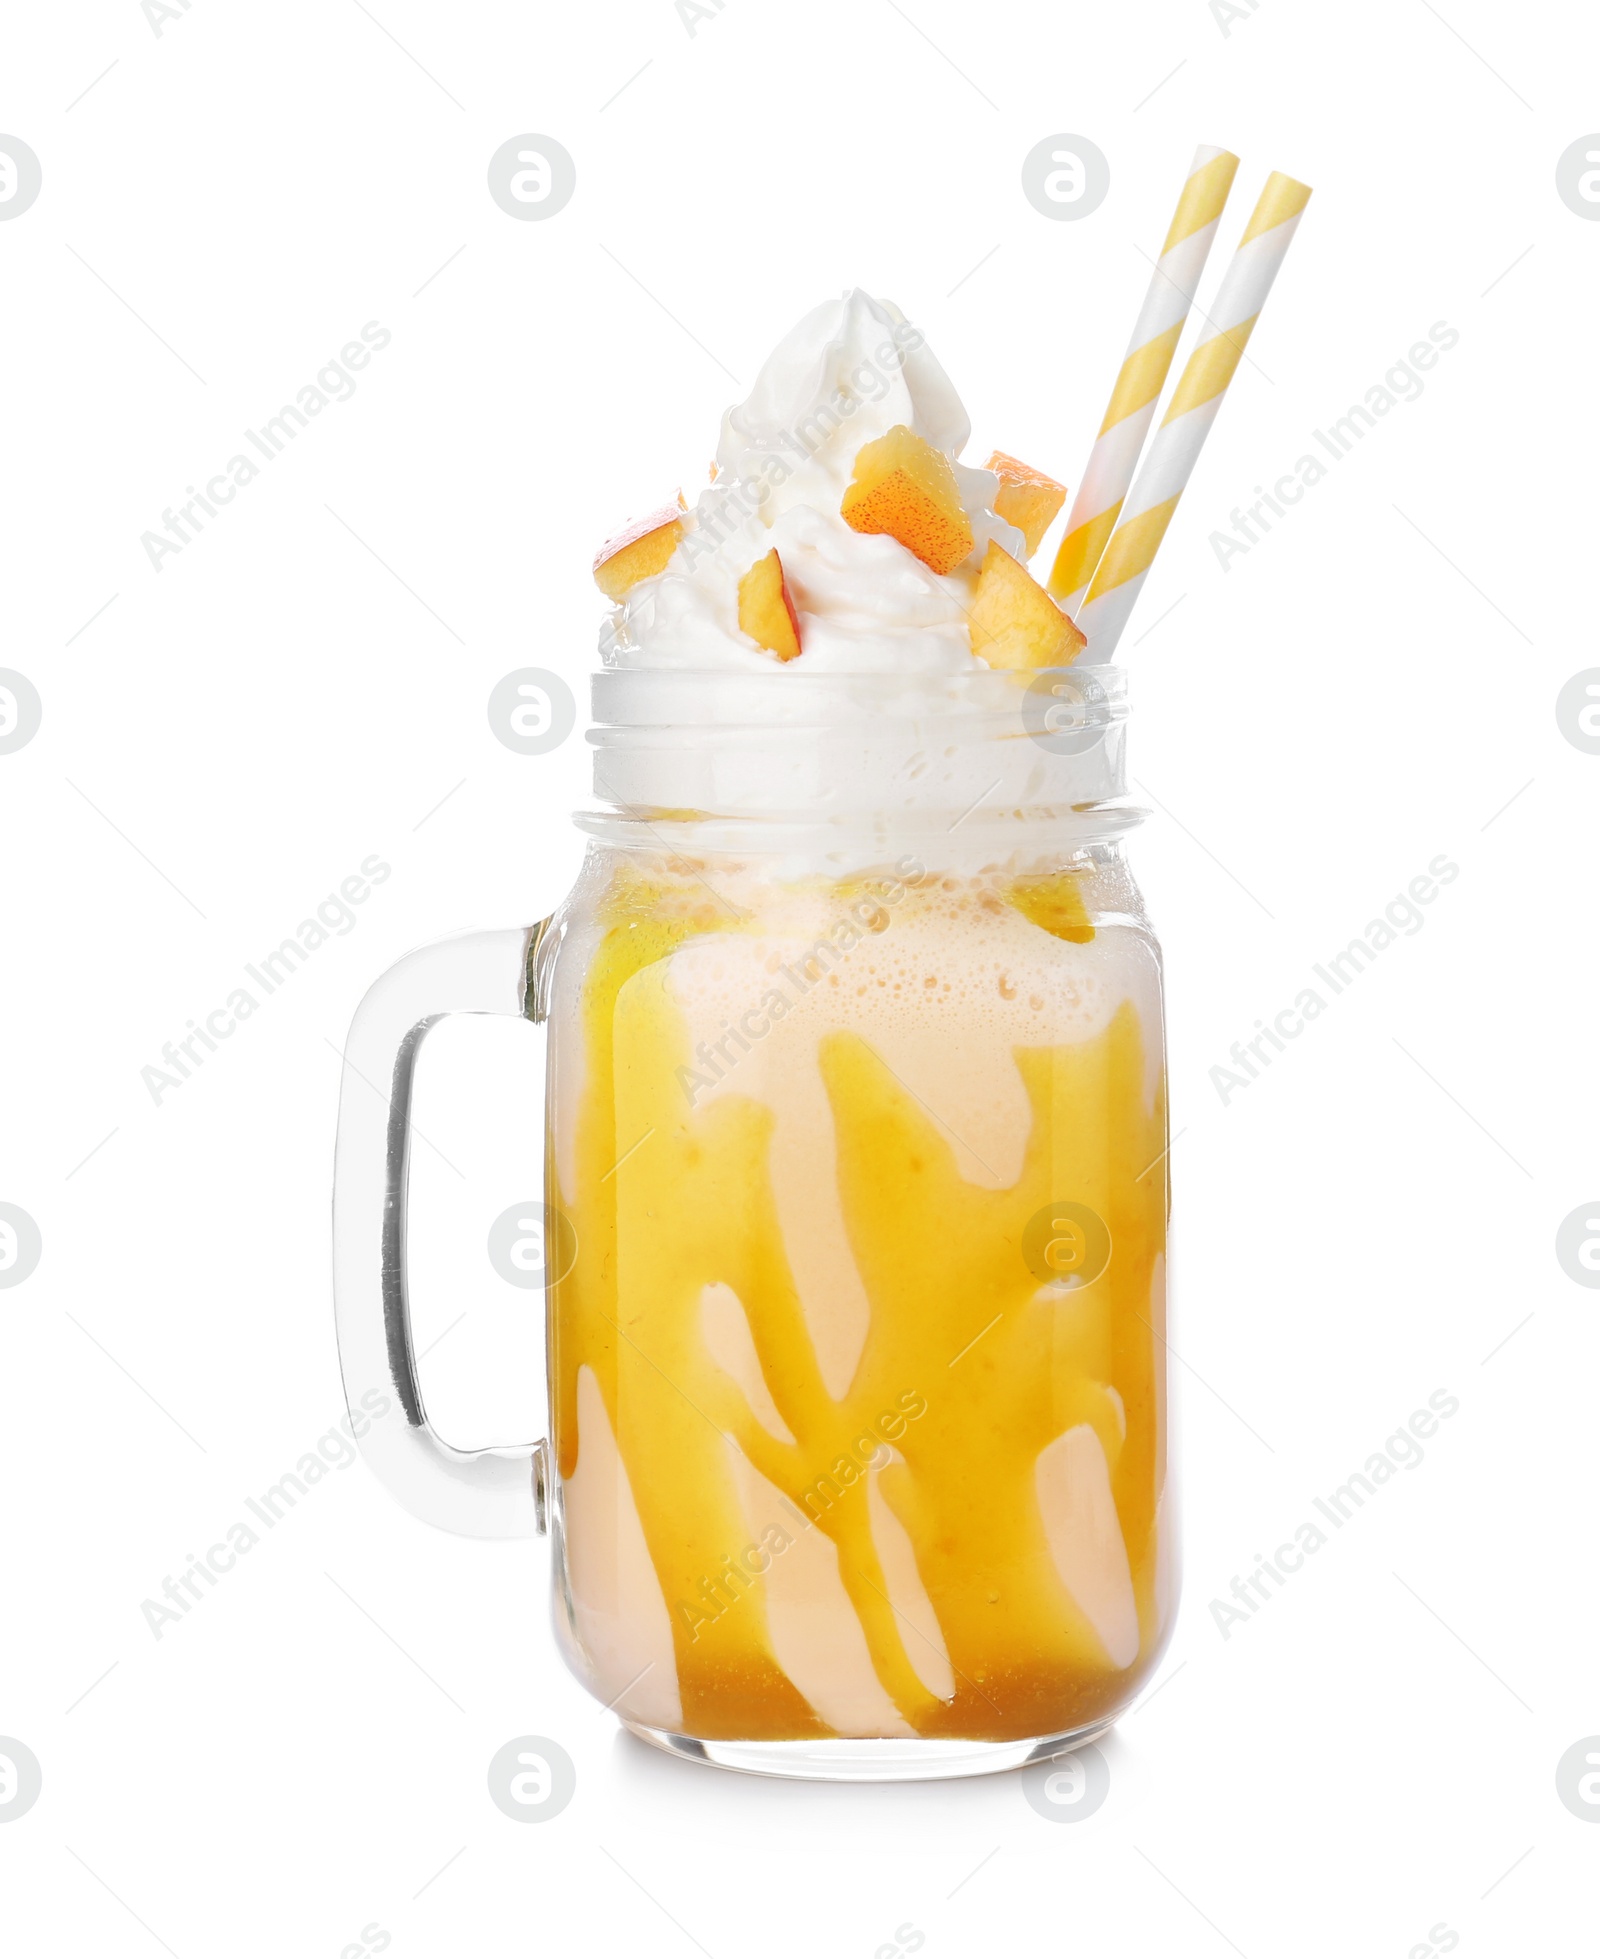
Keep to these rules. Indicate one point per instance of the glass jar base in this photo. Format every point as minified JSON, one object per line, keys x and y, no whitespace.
{"x":867,"y":1760}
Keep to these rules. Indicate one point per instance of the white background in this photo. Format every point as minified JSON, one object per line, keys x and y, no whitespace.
{"x":1374,"y":1219}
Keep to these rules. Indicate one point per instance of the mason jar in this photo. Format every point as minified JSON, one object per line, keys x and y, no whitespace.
{"x":854,"y":1224}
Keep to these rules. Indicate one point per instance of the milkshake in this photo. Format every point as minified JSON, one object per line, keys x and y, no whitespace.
{"x":857,"y":1105}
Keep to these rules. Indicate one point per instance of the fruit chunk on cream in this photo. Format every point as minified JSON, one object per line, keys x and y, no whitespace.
{"x":906,"y":489}
{"x":642,"y":550}
{"x":1015,"y":622}
{"x":1026,"y":497}
{"x":766,"y":612}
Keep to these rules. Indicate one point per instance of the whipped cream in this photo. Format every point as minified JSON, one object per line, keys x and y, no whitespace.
{"x":852,"y":369}
{"x":886,"y":723}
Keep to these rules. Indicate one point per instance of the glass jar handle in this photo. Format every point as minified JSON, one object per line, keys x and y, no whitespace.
{"x":496,"y":1492}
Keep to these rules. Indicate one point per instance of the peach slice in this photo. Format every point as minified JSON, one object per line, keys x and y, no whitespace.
{"x":904,"y":488}
{"x":766,"y":611}
{"x":1056,"y":904}
{"x":640,"y":551}
{"x":1026,"y":497}
{"x":1014,"y":621}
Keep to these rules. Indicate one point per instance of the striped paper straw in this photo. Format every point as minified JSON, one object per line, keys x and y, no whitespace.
{"x":1144,"y":373}
{"x":1193,"y":408}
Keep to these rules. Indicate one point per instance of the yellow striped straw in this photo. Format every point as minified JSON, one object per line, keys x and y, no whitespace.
{"x":1144,"y":373}
{"x":1190,"y":413}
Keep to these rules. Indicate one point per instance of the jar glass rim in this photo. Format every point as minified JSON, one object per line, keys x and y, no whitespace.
{"x":992,"y":750}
